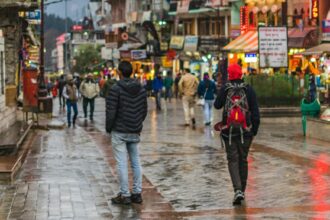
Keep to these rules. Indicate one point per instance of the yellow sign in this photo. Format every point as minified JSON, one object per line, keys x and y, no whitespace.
{"x":177,"y":42}
{"x":166,"y":63}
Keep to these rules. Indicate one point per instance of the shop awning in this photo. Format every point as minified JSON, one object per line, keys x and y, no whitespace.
{"x":318,"y":50}
{"x":305,"y":38}
{"x":247,"y":42}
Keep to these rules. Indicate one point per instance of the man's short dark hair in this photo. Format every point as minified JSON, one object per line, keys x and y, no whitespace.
{"x":187,"y":70}
{"x":125,"y":68}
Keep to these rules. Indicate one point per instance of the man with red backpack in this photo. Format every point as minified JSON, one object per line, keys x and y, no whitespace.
{"x":239,"y":125}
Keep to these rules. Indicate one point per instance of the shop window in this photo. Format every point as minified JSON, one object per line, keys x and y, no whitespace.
{"x":2,"y":74}
{"x":99,"y":36}
{"x":203,"y":27}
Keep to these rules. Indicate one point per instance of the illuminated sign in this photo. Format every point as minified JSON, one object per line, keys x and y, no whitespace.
{"x":314,"y":9}
{"x":251,"y":58}
{"x":77,"y":27}
{"x":244,"y":19}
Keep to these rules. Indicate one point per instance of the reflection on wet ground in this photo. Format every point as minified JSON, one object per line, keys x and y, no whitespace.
{"x":67,"y":173}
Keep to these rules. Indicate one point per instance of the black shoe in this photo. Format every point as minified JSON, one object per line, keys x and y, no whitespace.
{"x":91,"y":118}
{"x":207,"y":123}
{"x":193,"y":121}
{"x":186,"y":124}
{"x":121,"y":200}
{"x":239,"y":196}
{"x":69,"y":125}
{"x":136,"y":198}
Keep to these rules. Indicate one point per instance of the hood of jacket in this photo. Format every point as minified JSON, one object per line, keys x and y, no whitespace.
{"x":133,"y":87}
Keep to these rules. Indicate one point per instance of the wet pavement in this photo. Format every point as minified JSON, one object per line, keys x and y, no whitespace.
{"x":70,"y":173}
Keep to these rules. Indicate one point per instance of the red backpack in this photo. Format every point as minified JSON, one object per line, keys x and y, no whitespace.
{"x":237,"y":109}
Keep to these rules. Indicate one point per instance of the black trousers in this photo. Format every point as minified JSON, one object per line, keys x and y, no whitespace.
{"x":91,"y":103}
{"x":237,"y":154}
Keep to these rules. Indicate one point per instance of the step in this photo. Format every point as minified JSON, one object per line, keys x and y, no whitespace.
{"x":13,"y":151}
{"x":12,"y":138}
{"x":10,"y":165}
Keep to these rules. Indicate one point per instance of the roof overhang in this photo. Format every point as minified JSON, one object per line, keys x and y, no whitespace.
{"x":19,"y":5}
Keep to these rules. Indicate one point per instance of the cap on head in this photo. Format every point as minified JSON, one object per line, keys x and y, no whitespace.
{"x":69,"y":77}
{"x":234,"y":72}
{"x":89,"y":75}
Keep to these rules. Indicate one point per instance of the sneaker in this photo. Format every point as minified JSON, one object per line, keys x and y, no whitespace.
{"x":193,"y":121}
{"x":239,"y":196}
{"x":207,"y":123}
{"x":136,"y":198}
{"x":121,"y":200}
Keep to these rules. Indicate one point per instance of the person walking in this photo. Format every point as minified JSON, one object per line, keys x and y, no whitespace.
{"x":126,"y":109}
{"x":168,"y":83}
{"x":176,"y":85}
{"x":107,"y":86}
{"x":206,"y":90}
{"x":71,"y":94}
{"x":157,"y":86}
{"x":240,"y":124}
{"x":89,"y":90}
{"x":61,"y":85}
{"x":188,"y":88}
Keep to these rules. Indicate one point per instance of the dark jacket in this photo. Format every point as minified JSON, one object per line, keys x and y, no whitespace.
{"x":157,"y":84}
{"x":126,"y":107}
{"x":254,"y":116}
{"x":107,"y":86}
{"x":211,"y":89}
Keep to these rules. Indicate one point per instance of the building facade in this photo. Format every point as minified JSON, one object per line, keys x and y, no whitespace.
{"x":11,"y":29}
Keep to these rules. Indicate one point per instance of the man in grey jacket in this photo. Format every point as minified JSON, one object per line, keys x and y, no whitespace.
{"x":126,"y":109}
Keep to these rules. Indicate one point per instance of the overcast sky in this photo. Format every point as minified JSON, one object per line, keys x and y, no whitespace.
{"x":75,"y":8}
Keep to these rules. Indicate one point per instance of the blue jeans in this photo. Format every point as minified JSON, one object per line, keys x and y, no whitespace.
{"x":121,"y":145}
{"x":208,"y":111}
{"x":168,"y":93}
{"x":158,"y":96}
{"x":74,"y":105}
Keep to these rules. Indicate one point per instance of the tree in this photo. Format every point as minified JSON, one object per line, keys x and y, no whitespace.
{"x":89,"y":56}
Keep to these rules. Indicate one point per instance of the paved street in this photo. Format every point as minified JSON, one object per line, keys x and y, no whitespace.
{"x":70,"y":173}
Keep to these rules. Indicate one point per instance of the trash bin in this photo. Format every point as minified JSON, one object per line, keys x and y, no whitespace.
{"x":309,"y":109}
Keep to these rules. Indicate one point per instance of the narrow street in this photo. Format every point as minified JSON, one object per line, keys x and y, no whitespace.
{"x":70,"y":173}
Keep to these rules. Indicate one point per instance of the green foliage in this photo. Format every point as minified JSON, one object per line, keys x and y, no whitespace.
{"x":277,"y":90}
{"x":89,"y":56}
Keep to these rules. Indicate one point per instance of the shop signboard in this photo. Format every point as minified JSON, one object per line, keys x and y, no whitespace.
{"x":106,"y":53}
{"x":177,"y":42}
{"x":183,"y":6}
{"x":190,"y":43}
{"x":126,"y":55}
{"x":138,"y":54}
{"x":251,"y":58}
{"x":326,"y":30}
{"x":273,"y":47}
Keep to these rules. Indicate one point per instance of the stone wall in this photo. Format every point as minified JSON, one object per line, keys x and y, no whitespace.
{"x":11,"y":27}
{"x":12,"y":31}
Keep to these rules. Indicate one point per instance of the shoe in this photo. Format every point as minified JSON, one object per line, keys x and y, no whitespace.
{"x":136,"y":198}
{"x":238,"y":197}
{"x":121,"y":200}
{"x":207,"y":123}
{"x":69,"y":125}
{"x":91,"y":118}
{"x":193,"y":121}
{"x":186,"y":124}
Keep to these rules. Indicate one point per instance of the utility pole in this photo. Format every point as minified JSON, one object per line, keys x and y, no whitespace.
{"x":65,"y":43}
{"x":42,"y":47}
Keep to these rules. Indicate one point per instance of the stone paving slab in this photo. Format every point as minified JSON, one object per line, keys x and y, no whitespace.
{"x":70,"y":174}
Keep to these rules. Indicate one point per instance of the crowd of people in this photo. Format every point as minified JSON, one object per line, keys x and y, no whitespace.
{"x":127,"y":108}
